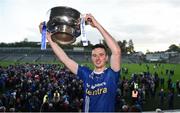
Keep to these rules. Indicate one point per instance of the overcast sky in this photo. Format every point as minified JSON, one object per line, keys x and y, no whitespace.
{"x":152,"y":24}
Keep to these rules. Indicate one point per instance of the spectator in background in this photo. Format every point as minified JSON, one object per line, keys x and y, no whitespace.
{"x":178,"y":87}
{"x":170,"y":100}
{"x":167,"y":71}
{"x":134,"y":96}
{"x":100,"y":84}
{"x":161,"y":98}
{"x":162,"y":82}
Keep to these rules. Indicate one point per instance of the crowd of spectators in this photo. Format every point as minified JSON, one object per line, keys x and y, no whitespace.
{"x":53,"y":88}
{"x":150,"y":86}
{"x":39,"y":87}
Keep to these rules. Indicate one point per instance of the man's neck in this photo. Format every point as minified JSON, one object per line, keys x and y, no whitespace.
{"x":99,"y":70}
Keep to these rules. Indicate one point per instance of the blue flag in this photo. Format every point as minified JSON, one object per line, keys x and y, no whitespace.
{"x":43,"y":37}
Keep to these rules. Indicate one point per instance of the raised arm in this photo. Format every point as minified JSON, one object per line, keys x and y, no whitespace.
{"x":115,"y":59}
{"x":62,"y":56}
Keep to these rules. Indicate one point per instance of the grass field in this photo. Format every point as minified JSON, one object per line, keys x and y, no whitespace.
{"x":136,"y":68}
{"x":161,"y":70}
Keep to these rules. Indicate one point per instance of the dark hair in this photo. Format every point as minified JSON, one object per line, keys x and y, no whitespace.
{"x":99,"y":46}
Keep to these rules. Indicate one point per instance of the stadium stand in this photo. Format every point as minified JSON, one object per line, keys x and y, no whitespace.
{"x":30,"y":58}
{"x":175,"y":59}
{"x":12,"y":57}
{"x":28,"y":54}
{"x":37,"y":55}
{"x":46,"y":58}
{"x":3,"y":56}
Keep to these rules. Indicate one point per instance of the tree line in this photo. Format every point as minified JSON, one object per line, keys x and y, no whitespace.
{"x":127,"y":47}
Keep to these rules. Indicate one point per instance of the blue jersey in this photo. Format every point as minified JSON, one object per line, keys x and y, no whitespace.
{"x":100,"y":89}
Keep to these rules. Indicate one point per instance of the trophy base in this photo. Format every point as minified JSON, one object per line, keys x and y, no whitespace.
{"x":63,"y":38}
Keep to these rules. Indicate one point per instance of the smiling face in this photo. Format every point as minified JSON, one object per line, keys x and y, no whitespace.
{"x":99,"y":58}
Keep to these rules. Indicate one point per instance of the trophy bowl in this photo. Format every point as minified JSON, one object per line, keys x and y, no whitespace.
{"x":64,"y":24}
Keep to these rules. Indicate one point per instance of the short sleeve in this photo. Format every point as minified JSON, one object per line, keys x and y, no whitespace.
{"x":115,"y":74}
{"x":83,"y":72}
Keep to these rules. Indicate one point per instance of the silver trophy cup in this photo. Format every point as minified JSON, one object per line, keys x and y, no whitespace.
{"x":64,"y":24}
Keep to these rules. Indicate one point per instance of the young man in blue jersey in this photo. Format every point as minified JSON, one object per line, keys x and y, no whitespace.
{"x":100,"y":84}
